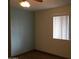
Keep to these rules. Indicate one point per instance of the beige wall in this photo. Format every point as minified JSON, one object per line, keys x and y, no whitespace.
{"x":43,"y":34}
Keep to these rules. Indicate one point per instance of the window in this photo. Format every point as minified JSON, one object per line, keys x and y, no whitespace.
{"x":61,"y":27}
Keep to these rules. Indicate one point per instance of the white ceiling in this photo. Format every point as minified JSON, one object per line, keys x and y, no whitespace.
{"x":40,"y":5}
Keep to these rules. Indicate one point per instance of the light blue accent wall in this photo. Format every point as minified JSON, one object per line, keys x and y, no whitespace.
{"x":22,"y":31}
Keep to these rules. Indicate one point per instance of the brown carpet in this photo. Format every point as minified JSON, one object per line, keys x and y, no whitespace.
{"x":38,"y":55}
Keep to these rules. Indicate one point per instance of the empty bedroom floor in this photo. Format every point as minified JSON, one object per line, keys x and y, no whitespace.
{"x":38,"y":55}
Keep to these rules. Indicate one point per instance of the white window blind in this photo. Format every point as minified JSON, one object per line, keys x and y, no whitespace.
{"x":61,"y":27}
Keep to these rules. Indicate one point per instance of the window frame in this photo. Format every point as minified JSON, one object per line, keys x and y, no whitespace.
{"x":69,"y":28}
